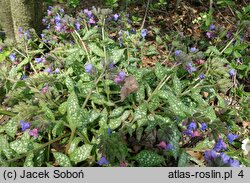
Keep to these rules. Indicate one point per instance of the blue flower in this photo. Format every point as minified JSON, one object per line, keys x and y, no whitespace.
{"x":12,"y":57}
{"x":144,"y":32}
{"x":103,"y":161}
{"x":225,"y":158}
{"x":57,"y":71}
{"x":232,"y":72}
{"x":220,"y":145}
{"x":48,"y":70}
{"x":120,"y":77}
{"x":133,"y":31}
{"x":116,"y":16}
{"x":231,"y":137}
{"x":77,"y":25}
{"x":88,"y":13}
{"x":203,"y":126}
{"x":192,"y":126}
{"x":24,"y":125}
{"x":202,"y":76}
{"x":177,"y":53}
{"x":193,"y":49}
{"x":23,"y":77}
{"x":234,"y":163}
{"x":111,"y":65}
{"x":109,"y":131}
{"x":58,"y":18}
{"x":88,"y":68}
{"x":39,"y":60}
{"x":1,"y":49}
{"x":212,"y":27}
{"x":210,"y":155}
{"x":190,"y":67}
{"x":27,"y":34}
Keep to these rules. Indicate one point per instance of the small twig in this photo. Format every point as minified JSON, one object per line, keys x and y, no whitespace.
{"x":83,"y":45}
{"x":144,"y":18}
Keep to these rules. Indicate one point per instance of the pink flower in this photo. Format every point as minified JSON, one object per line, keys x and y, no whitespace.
{"x":123,"y":164}
{"x":34,"y":132}
{"x":162,"y":145}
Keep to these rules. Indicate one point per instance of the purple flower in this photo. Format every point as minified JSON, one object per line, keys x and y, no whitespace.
{"x":120,"y":41}
{"x":12,"y":57}
{"x":1,"y":49}
{"x":45,"y":89}
{"x":39,"y":60}
{"x":144,"y":32}
{"x":225,"y":158}
{"x":192,"y":126}
{"x":58,"y":18}
{"x":50,"y":8}
{"x":57,"y":71}
{"x":27,"y":34}
{"x":58,"y":27}
{"x":232,"y":72}
{"x":188,"y":132}
{"x":24,"y":125}
{"x":44,"y":21}
{"x":212,"y":27}
{"x":177,"y":53}
{"x":49,"y":12}
{"x":77,"y":25}
{"x":234,"y":163}
{"x":133,"y":31}
{"x":162,"y":145}
{"x":116,"y":16}
{"x":220,"y":145}
{"x":231,"y":137}
{"x":91,"y":20}
{"x":229,"y":34}
{"x":20,"y":30}
{"x":111,"y":65}
{"x":210,"y":155}
{"x":88,"y":13}
{"x":88,"y":68}
{"x":23,"y":77}
{"x":193,"y":49}
{"x":203,"y":126}
{"x":169,"y":147}
{"x":103,"y":161}
{"x":120,"y":77}
{"x":34,"y":132}
{"x":210,"y":35}
{"x":190,"y":67}
{"x":202,"y":76}
{"x":109,"y":131}
{"x":48,"y":70}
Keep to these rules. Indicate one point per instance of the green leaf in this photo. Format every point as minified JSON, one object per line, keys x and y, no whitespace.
{"x":74,"y":144}
{"x":5,"y":147}
{"x":117,"y":54}
{"x":116,"y":112}
{"x":49,"y":114}
{"x":22,"y":145}
{"x":204,"y":145}
{"x":81,"y":153}
{"x":29,"y":160}
{"x":89,"y":33}
{"x":96,"y":50}
{"x":183,"y":159}
{"x":161,"y":71}
{"x":58,"y":128}
{"x":147,"y":158}
{"x":154,"y":103}
{"x":140,"y":94}
{"x":11,"y":127}
{"x":69,"y":83}
{"x":63,"y":108}
{"x":177,"y":85}
{"x":73,"y":111}
{"x":62,"y":159}
{"x":140,"y":112}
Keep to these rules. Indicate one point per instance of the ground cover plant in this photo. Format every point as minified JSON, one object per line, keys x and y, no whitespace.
{"x":100,"y":88}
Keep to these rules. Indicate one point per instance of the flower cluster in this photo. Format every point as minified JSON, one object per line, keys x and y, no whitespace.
{"x":26,"y":125}
{"x":193,"y":131}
